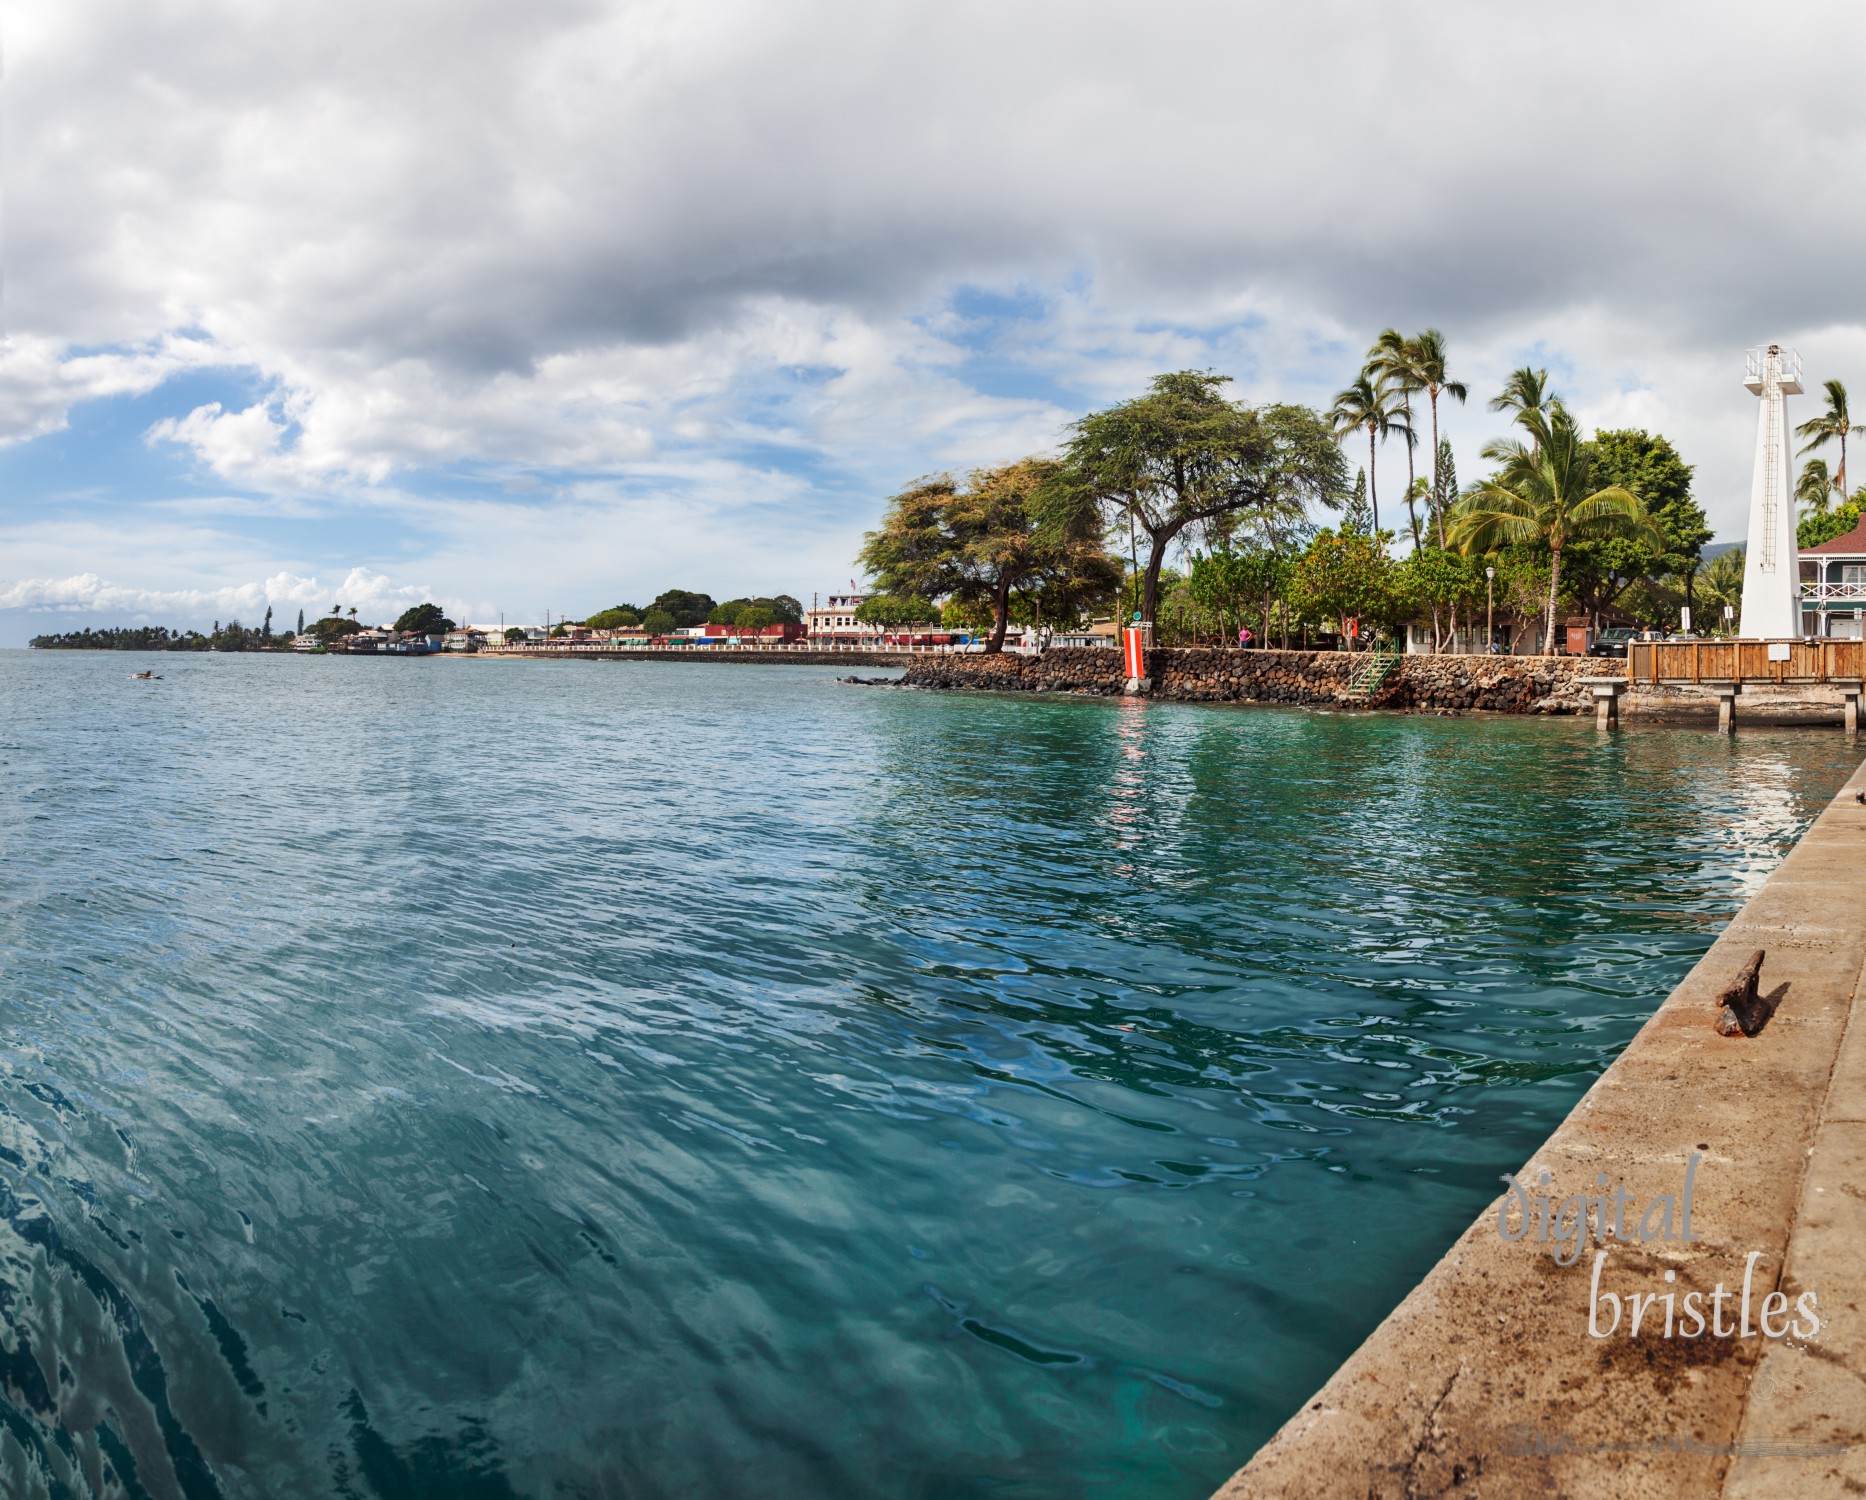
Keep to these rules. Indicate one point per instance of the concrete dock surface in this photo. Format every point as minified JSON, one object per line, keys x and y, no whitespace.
{"x":1506,"y":1373}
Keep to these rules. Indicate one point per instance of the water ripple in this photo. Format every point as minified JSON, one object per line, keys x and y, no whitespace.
{"x":496,"y":1079}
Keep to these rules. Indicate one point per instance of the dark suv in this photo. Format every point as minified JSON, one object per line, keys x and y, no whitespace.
{"x":1612,"y":642}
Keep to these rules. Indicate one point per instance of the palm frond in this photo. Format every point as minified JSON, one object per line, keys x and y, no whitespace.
{"x":1486,"y":531}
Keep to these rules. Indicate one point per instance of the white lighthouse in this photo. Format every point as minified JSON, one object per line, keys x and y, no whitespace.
{"x":1772,"y":565}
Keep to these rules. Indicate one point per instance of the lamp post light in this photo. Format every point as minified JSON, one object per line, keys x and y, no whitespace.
{"x":1490,"y":610}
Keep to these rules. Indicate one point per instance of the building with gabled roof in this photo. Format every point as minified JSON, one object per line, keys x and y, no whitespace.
{"x":1833,"y":586}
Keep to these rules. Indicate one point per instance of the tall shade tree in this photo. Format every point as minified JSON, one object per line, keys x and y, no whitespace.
{"x":976,"y":541}
{"x":1832,"y":424}
{"x":1600,"y":570}
{"x":1394,"y":365}
{"x":1342,"y":576}
{"x":1545,"y":493}
{"x":1427,"y":353}
{"x":1184,"y":457}
{"x":1814,"y":488}
{"x":1367,"y":406}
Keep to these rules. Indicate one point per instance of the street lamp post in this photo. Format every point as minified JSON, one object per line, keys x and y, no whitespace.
{"x":1490,"y":610}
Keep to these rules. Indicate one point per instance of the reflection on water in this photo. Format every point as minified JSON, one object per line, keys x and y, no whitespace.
{"x":476,"y":1078}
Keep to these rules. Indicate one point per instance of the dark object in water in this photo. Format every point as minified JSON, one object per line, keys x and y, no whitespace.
{"x":1740,"y":1007}
{"x":872,"y":681}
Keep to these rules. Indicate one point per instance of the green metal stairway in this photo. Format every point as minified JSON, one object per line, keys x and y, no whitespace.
{"x":1372,"y":673}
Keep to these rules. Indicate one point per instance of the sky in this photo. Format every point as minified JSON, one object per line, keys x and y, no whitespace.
{"x":529,"y":305}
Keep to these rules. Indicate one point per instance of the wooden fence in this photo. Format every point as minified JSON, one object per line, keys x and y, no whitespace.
{"x":1745,"y":661}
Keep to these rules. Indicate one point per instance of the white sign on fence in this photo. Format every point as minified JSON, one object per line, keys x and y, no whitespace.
{"x":1778,"y":650}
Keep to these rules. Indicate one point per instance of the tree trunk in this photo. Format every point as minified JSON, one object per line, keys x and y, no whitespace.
{"x":1156,"y":558}
{"x":1548,"y":641}
{"x":1373,"y":486}
{"x":1001,"y":614}
{"x":1438,"y":500}
{"x":1412,"y":510}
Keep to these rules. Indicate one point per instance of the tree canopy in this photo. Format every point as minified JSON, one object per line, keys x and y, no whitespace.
{"x":681,"y":606}
{"x":1645,"y":465}
{"x":1347,"y":575}
{"x":1185,"y":456}
{"x":1832,"y":425}
{"x":977,"y":541}
{"x":1837,"y":522}
{"x":334,"y":627}
{"x":1548,"y":493}
{"x":426,"y":618}
{"x":892,"y":611}
{"x":781,"y":609}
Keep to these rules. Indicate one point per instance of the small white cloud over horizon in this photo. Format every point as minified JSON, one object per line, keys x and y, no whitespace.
{"x":375,"y":598}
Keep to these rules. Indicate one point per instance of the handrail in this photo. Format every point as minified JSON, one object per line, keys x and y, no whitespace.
{"x":1368,"y":678}
{"x":1792,"y":660}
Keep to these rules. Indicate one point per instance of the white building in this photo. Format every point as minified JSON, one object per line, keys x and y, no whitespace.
{"x":835,"y":619}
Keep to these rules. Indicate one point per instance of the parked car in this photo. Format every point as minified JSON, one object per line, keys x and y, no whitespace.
{"x":1612,"y":642}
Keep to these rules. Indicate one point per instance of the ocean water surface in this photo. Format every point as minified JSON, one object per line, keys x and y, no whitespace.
{"x":488,"y":1078}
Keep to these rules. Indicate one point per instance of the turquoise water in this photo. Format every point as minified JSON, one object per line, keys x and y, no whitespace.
{"x":568,"y":1079}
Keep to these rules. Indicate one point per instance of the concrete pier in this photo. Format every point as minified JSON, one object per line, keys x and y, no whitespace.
{"x":1494,"y":1378}
{"x":1726,"y":705}
{"x":1606,"y":691}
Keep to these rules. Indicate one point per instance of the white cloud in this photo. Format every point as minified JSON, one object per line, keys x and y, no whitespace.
{"x":41,"y":379}
{"x":374,"y":596}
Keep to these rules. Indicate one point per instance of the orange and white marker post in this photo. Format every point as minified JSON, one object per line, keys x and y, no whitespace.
{"x":1135,"y":640}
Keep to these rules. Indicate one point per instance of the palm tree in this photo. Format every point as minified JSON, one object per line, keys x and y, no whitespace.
{"x":1393,"y":364}
{"x":1545,"y":493}
{"x":1720,"y":582}
{"x":1814,"y":489}
{"x":1428,"y":368}
{"x":1367,"y":407}
{"x":1833,"y":423}
{"x":1525,"y":391}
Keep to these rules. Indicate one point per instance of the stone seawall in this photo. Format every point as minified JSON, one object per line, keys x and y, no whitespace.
{"x":783,"y":658}
{"x":1500,"y":684}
